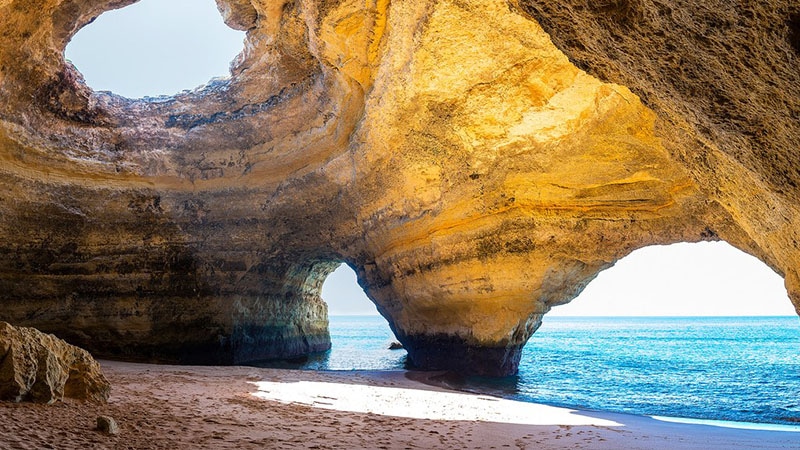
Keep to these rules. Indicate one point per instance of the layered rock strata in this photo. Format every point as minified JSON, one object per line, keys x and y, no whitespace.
{"x":724,"y":80}
{"x":41,"y":368}
{"x":469,"y":172}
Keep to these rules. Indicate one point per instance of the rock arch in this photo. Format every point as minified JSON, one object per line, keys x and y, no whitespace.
{"x":448,"y":151}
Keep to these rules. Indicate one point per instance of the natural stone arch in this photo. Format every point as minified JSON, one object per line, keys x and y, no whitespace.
{"x":285,"y":316}
{"x":470,"y":201}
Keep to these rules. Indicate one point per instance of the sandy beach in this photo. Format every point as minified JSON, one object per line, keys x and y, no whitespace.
{"x":180,"y":407}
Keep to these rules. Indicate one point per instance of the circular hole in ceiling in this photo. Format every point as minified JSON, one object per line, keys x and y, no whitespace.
{"x":155,"y":47}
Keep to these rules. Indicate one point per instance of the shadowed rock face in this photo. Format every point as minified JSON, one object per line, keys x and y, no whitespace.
{"x":471,"y":174}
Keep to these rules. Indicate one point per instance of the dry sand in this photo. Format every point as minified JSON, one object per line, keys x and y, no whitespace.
{"x":179,"y":407}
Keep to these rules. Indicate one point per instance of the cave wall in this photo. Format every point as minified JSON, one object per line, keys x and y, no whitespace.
{"x":471,"y":173}
{"x":724,"y":79}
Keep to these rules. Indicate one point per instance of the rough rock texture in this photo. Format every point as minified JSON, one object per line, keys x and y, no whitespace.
{"x":468,"y":171}
{"x":41,"y":368}
{"x":106,"y":424}
{"x":724,"y":79}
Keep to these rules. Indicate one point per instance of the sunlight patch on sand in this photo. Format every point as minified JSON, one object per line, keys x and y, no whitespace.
{"x":421,"y":404}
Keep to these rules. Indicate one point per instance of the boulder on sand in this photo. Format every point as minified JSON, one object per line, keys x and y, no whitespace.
{"x":41,"y":368}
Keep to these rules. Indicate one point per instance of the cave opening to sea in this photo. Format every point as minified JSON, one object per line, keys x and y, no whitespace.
{"x":153,"y":48}
{"x":360,"y":337}
{"x":699,"y":331}
{"x":693,"y":331}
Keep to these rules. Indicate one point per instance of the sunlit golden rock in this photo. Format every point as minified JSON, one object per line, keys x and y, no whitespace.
{"x":448,"y":151}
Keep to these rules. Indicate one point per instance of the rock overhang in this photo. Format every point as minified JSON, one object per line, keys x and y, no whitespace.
{"x":448,"y":151}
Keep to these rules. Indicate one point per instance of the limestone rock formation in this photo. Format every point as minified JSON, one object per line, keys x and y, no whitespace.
{"x":470,"y":173}
{"x":41,"y":368}
{"x":724,"y":80}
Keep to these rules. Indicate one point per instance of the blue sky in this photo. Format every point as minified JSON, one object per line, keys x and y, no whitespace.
{"x":157,"y":47}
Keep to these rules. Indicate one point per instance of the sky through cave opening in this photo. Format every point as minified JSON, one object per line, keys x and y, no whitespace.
{"x":344,"y":296}
{"x":686,"y":279}
{"x":155,"y":47}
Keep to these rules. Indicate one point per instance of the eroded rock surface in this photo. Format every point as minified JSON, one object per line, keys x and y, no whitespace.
{"x":447,"y":150}
{"x":41,"y":368}
{"x":724,"y":79}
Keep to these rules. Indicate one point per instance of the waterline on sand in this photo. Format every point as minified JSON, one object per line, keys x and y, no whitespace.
{"x":731,"y":424}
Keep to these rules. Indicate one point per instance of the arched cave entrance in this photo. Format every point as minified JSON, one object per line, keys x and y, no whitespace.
{"x":361,"y":339}
{"x":154,"y":48}
{"x":725,"y":359}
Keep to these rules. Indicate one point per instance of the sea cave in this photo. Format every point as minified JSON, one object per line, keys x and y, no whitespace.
{"x":476,"y":164}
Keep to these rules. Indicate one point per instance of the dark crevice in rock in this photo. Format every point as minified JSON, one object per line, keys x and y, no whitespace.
{"x":188,"y":121}
{"x":794,"y":32}
{"x":67,"y":96}
{"x":626,"y":13}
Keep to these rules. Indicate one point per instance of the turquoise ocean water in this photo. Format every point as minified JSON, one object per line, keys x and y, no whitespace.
{"x":744,"y":369}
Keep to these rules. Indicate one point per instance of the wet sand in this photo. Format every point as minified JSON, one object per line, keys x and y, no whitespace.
{"x":180,"y":407}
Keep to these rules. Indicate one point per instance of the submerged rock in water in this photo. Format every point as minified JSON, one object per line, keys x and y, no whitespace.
{"x":395,"y":346}
{"x":41,"y":368}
